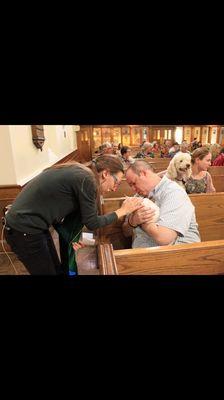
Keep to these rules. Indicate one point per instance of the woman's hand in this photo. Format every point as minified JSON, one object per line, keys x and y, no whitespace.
{"x":131,"y":204}
{"x":78,"y":245}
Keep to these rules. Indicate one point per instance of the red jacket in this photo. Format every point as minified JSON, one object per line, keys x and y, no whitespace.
{"x":219,"y":160}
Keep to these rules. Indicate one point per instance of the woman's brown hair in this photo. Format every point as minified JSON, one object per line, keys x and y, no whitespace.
{"x":108,"y":162}
{"x":200,"y":153}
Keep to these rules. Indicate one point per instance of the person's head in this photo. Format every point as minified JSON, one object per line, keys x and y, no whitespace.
{"x":125,"y":152}
{"x":222,"y":151}
{"x":176,"y":146}
{"x":155,"y":146}
{"x":141,"y":177}
{"x":201,"y":158}
{"x":107,"y":148}
{"x":214,"y":150}
{"x":184,"y":147}
{"x":147,"y":147}
{"x":168,"y":143}
{"x":109,"y":171}
{"x":163,"y":149}
{"x":115,"y":147}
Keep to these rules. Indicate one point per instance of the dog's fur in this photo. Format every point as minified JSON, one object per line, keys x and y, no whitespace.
{"x":179,"y":168}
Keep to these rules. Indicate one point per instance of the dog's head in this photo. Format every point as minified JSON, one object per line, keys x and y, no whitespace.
{"x":179,"y":166}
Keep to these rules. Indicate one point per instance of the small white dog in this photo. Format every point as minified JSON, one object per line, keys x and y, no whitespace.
{"x":151,"y":205}
{"x":179,"y":168}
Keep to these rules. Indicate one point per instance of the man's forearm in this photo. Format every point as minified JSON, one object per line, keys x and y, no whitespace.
{"x":162,"y":235}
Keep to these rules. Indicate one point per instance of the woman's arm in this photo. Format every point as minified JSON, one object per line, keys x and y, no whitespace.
{"x":88,"y":207}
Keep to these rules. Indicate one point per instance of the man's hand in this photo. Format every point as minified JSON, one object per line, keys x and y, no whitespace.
{"x":129,"y":205}
{"x":142,"y":215}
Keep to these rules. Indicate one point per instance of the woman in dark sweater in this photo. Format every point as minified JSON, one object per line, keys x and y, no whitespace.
{"x":65,"y":197}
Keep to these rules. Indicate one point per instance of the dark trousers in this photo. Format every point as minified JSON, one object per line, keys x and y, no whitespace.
{"x":37,"y":252}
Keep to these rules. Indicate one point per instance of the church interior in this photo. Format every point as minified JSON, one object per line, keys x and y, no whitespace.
{"x":27,"y":150}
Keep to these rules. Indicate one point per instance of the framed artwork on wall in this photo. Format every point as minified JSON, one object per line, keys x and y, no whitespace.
{"x":38,"y":136}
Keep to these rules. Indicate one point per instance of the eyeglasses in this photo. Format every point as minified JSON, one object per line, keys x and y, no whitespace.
{"x":116,"y":180}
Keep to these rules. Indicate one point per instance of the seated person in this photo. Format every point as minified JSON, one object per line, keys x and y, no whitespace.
{"x":219,"y":160}
{"x":125,"y":156}
{"x":146,"y":151}
{"x":116,"y":151}
{"x":106,"y":148}
{"x":184,"y":147}
{"x":214,"y":150}
{"x":155,"y":148}
{"x":200,"y":180}
{"x":174,"y":149}
{"x":177,"y":221}
{"x":164,"y":151}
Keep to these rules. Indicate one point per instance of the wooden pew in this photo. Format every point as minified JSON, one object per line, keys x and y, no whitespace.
{"x":209,"y":208}
{"x":159,"y":164}
{"x":216,"y":171}
{"x":218,"y":182}
{"x":8,"y":194}
{"x":205,"y":258}
{"x":125,"y":190}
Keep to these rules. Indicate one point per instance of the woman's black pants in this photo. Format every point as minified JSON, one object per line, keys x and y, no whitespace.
{"x":36,"y":251}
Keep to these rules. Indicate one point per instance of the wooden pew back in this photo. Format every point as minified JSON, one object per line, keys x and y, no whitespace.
{"x":209,"y":209}
{"x":124,"y":189}
{"x":218,"y":182}
{"x":216,"y":171}
{"x":205,"y":258}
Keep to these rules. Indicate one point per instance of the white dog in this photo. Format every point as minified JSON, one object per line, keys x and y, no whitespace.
{"x":179,"y":168}
{"x":151,"y":205}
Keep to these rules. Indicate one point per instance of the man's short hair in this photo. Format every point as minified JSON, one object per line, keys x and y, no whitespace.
{"x":106,"y":145}
{"x":146,"y":145}
{"x":139,"y":166}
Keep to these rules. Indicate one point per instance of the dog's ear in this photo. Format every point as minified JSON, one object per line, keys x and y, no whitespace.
{"x":171,"y":170}
{"x":189,"y":171}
